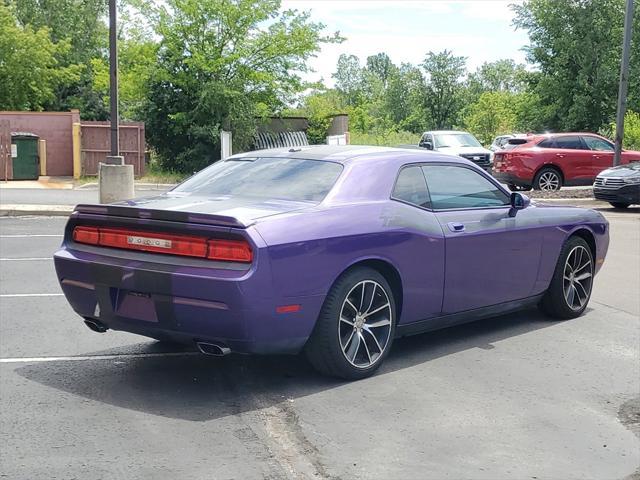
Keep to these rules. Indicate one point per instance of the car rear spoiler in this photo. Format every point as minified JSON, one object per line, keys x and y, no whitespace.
{"x":518,"y":141}
{"x":167,"y":215}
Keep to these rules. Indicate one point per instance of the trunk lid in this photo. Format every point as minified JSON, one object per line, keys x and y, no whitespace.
{"x":228,"y":211}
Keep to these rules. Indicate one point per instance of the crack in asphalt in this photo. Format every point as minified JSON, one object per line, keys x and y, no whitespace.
{"x":629,"y":416}
{"x":272,"y":432}
{"x":614,"y":308}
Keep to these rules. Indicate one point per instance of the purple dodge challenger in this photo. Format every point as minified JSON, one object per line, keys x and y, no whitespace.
{"x":334,"y":251}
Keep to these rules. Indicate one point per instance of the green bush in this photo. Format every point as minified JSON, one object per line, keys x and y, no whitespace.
{"x":387,"y":138}
{"x":631,"y":131}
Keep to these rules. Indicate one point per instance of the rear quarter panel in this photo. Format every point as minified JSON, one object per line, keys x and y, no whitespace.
{"x":309,"y":251}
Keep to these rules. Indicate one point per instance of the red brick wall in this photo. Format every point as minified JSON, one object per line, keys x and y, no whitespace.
{"x":55,"y":128}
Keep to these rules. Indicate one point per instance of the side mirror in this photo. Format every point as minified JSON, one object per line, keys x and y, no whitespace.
{"x":428,"y":145}
{"x":518,"y":202}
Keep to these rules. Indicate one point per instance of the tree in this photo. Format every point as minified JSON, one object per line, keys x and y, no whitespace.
{"x":29,"y":68}
{"x":576,"y":46}
{"x":136,"y":60}
{"x":444,"y":87}
{"x":222,"y":63}
{"x":81,"y":25}
{"x":499,"y":76}
{"x":404,"y":101}
{"x":493,"y":114}
{"x":348,"y":78}
{"x":381,"y":66}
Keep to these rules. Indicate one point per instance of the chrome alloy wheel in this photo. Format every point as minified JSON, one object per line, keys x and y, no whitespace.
{"x":549,"y":181}
{"x":364,"y":329}
{"x":577,"y":277}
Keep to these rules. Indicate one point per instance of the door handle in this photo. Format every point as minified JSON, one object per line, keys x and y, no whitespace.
{"x":595,"y":156}
{"x":456,"y":227}
{"x":560,"y":155}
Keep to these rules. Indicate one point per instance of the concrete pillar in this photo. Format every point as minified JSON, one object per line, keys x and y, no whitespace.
{"x":225,"y":144}
{"x":77,"y":163}
{"x":42,"y":153}
{"x":115,"y":182}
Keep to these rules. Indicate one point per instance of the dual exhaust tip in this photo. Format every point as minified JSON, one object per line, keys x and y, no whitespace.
{"x":213,"y":349}
{"x":205,"y":347}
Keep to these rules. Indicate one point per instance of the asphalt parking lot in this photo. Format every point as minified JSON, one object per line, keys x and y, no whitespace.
{"x":514,"y":397}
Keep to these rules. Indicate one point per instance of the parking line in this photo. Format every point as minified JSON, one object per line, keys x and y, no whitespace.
{"x":29,"y":235}
{"x":80,"y":358}
{"x":26,"y":259}
{"x":9,"y":295}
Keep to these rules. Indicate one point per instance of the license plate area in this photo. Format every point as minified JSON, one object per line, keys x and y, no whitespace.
{"x":136,"y":305}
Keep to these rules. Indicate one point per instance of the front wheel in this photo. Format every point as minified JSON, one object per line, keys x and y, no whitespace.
{"x":619,"y":205}
{"x":570,"y":288}
{"x":355,"y":329}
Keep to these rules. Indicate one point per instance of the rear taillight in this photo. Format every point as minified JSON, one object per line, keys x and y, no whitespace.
{"x":88,"y":235}
{"x":229,"y":250}
{"x":184,"y":245}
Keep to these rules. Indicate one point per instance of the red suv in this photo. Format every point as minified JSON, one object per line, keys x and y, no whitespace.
{"x":547,"y":162}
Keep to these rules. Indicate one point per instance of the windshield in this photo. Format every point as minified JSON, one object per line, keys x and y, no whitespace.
{"x":269,"y":178}
{"x":455,"y":140}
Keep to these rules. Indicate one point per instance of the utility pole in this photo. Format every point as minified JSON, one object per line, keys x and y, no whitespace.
{"x":113,"y":78}
{"x":115,"y":179}
{"x":624,"y":81}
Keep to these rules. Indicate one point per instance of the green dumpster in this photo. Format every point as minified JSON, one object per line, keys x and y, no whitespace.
{"x":24,"y":153}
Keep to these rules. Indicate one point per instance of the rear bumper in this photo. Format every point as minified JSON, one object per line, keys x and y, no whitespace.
{"x":511,"y":179}
{"x":628,"y":194}
{"x":185,"y":303}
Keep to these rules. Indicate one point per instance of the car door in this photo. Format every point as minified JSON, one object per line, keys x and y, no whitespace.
{"x":491,"y":255}
{"x":574,"y":158}
{"x":601,"y":154}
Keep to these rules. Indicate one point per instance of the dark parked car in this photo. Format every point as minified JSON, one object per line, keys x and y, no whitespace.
{"x":334,"y":251}
{"x":620,"y":186}
{"x":547,"y":162}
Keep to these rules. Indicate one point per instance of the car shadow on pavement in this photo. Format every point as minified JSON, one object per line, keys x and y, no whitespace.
{"x":199,"y":388}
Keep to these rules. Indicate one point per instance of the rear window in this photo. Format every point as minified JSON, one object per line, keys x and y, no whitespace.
{"x":277,"y":178}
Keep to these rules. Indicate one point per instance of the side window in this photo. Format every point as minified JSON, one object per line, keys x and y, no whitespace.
{"x":429,"y":138}
{"x":459,"y":187}
{"x":570,"y":143}
{"x":411,"y":187}
{"x":548,"y":143}
{"x":595,"y":143}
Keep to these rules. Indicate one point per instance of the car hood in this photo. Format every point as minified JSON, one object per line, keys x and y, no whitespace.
{"x":629,"y":170}
{"x":245,"y":210}
{"x":463,"y":150}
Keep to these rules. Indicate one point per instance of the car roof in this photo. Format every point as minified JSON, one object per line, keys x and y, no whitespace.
{"x":445,"y":132}
{"x":350,"y":153}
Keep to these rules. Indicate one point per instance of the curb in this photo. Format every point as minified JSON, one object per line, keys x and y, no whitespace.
{"x":36,"y":210}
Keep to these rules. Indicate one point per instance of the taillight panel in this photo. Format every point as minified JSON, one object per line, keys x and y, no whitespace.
{"x":171,"y":244}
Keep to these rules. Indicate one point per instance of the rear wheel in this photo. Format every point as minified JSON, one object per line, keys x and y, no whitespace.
{"x":548,"y":179}
{"x":570,"y":288}
{"x":355,"y":329}
{"x":619,"y":205}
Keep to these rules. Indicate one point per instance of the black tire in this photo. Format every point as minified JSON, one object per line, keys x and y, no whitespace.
{"x":540,"y":180}
{"x":519,"y":188}
{"x":619,"y":205}
{"x":324,"y":348}
{"x":554,"y":303}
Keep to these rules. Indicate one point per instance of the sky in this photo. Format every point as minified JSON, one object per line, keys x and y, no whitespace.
{"x":406,"y":30}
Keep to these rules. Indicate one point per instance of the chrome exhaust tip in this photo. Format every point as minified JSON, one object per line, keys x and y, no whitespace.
{"x":95,"y":325}
{"x":213,"y":349}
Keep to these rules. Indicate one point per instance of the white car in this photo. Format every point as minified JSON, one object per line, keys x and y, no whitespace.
{"x":458,"y":143}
